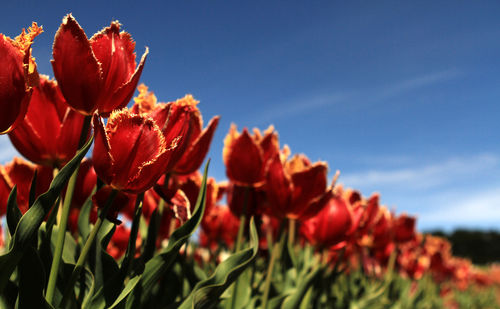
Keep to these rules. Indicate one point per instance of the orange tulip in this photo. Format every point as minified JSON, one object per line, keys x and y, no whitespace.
{"x":17,"y":75}
{"x":50,"y":132}
{"x":97,"y":74}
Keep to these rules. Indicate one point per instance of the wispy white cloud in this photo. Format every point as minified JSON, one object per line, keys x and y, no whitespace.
{"x":302,"y":106}
{"x":459,"y":208}
{"x":414,"y":83}
{"x":423,"y":176}
{"x":453,"y":192}
{"x":362,"y":97}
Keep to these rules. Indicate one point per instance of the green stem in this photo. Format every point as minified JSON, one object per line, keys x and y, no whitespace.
{"x":291,"y":232}
{"x":239,"y":241}
{"x":54,"y":269}
{"x":153,"y":230}
{"x":277,"y":249}
{"x":86,"y":248}
{"x":243,"y":218}
{"x":128,"y":262}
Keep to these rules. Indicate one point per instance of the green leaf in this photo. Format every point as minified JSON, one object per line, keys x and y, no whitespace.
{"x":305,"y":281}
{"x":31,"y":280}
{"x":207,"y":292}
{"x":30,"y":222}
{"x":152,"y":233}
{"x":84,"y":219}
{"x":33,"y":189}
{"x":83,"y":289}
{"x":126,"y":291}
{"x":128,"y":259}
{"x":104,"y":267}
{"x":69,"y":250}
{"x":158,"y":265}
{"x":276,"y":301}
{"x":13,"y":212}
{"x":108,"y":281}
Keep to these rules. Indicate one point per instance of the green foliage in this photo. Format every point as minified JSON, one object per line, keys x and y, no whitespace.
{"x":171,"y":276}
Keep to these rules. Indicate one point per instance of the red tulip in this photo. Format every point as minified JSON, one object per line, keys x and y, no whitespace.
{"x":97,"y":74}
{"x":119,"y":242}
{"x":330,"y":226}
{"x":50,"y":132}
{"x":149,"y":204}
{"x":404,"y":228}
{"x":190,"y":185}
{"x":17,"y":75}
{"x":244,"y":199}
{"x":247,"y":156}
{"x":189,"y":154}
{"x":131,"y":153}
{"x":296,"y":189}
{"x":20,"y":172}
{"x":219,"y":225}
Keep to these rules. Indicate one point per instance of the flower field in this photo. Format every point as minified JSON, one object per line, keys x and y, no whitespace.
{"x":112,"y":207}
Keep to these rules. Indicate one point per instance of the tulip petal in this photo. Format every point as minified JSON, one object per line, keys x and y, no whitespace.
{"x":69,"y":137}
{"x":270,"y":144}
{"x":28,"y":142}
{"x":5,"y":188}
{"x":314,"y":207}
{"x":309,"y":184}
{"x":330,"y":225}
{"x":135,"y":141}
{"x":278,"y":188}
{"x":126,"y":91}
{"x":179,"y":127}
{"x":195,"y":154}
{"x":13,"y":93}
{"x":76,"y":67}
{"x":245,"y":163}
{"x":101,"y":156}
{"x":160,"y":113}
{"x":36,"y":137}
{"x":115,"y":53}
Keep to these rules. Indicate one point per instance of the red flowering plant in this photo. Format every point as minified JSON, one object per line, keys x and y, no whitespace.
{"x":50,"y":132}
{"x":113,"y":230}
{"x":18,"y":75}
{"x":20,"y":173}
{"x":246,"y":158}
{"x":106,"y":66}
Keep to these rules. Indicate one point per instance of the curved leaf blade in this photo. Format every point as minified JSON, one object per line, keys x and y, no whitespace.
{"x":30,"y":222}
{"x":207,"y":292}
{"x":158,"y":265}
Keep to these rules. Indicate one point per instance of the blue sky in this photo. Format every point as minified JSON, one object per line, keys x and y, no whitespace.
{"x":401,"y":97}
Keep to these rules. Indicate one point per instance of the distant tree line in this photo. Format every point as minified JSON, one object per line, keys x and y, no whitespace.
{"x":481,"y":247}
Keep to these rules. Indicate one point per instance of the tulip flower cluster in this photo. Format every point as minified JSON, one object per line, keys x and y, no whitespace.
{"x":112,"y":229}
